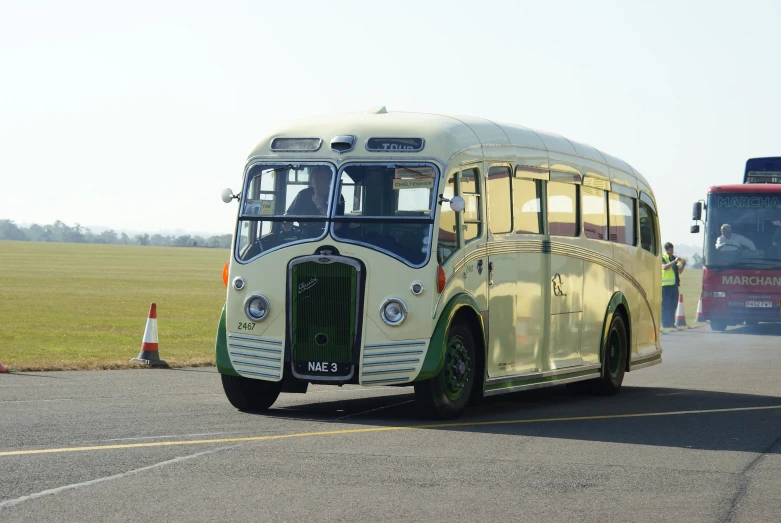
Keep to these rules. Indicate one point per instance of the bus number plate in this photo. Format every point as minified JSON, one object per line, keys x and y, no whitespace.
{"x":760,"y":304}
{"x":323,"y":368}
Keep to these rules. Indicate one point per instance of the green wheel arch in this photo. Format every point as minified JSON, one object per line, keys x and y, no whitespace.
{"x":437,"y":348}
{"x":617,"y":300}
{"x":224,"y":365}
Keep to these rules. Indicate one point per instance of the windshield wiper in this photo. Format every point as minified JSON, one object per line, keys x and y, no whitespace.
{"x":278,"y":169}
{"x":397,"y":166}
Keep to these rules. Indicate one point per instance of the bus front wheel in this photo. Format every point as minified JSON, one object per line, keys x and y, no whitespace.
{"x":447,"y":394}
{"x":251,"y":395}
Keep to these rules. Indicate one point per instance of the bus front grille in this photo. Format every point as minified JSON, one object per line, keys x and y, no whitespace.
{"x":323,"y":309}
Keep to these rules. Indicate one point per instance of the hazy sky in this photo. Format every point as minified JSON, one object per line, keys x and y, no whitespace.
{"x":136,"y":117}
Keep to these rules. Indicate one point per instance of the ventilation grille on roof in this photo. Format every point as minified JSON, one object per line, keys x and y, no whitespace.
{"x":342,"y":143}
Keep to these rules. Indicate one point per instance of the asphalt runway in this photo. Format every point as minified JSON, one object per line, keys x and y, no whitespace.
{"x":697,"y":438}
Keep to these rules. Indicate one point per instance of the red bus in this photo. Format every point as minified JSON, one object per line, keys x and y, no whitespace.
{"x":741,"y":278}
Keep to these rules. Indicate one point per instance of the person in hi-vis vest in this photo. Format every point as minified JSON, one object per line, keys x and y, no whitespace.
{"x":672,"y":268}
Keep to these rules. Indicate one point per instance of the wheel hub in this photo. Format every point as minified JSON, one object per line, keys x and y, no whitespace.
{"x":457,"y":368}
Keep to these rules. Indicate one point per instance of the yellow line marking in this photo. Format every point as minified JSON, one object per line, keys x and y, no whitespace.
{"x":378,"y":429}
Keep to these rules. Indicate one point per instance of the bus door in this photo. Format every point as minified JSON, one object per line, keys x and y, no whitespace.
{"x":566,"y":271}
{"x":502,"y":273}
{"x":518,"y":274}
{"x":475,"y":271}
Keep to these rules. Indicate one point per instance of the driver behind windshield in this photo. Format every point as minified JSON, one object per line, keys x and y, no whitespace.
{"x":313,"y":201}
{"x":734,"y":239}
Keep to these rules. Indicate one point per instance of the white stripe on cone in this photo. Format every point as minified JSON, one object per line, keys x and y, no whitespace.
{"x":150,"y":335}
{"x":698,"y":317}
{"x":680,"y":316}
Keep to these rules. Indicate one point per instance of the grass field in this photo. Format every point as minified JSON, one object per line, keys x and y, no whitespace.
{"x":82,"y":306}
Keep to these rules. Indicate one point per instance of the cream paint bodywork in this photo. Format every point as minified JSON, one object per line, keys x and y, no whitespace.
{"x":534,"y":331}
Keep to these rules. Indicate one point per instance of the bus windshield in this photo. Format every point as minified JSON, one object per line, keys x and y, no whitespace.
{"x":388,"y":207}
{"x":282,"y":204}
{"x":744,"y":230}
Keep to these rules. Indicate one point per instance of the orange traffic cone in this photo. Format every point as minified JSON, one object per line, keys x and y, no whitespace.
{"x":3,"y":368}
{"x":698,"y":318}
{"x":148,"y":354}
{"x":680,"y":316}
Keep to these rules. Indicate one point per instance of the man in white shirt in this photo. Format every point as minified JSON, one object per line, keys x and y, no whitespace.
{"x":736,"y":240}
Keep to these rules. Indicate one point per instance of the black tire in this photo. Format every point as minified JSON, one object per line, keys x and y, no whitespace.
{"x":614,"y":361}
{"x":250,"y":395}
{"x":446,"y":395}
{"x":718,"y":325}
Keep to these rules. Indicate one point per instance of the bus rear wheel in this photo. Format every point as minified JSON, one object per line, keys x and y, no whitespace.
{"x":446,"y":395}
{"x":250,"y":395}
{"x":613,"y":365}
{"x":718,"y":325}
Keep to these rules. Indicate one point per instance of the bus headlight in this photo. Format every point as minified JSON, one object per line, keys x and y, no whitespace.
{"x":393,"y":312}
{"x":257,"y":307}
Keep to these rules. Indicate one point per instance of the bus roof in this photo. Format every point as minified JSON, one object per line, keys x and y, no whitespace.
{"x":747,"y":188}
{"x":444,"y":136}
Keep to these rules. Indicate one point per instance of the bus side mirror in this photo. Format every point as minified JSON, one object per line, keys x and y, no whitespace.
{"x":227,"y":195}
{"x":457,"y":204}
{"x":695,"y":229}
{"x":697,"y":211}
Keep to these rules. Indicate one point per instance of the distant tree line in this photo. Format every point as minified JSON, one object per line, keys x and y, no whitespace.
{"x":60,"y":232}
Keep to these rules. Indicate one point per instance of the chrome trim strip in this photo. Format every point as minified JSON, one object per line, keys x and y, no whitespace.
{"x":260,"y":349}
{"x":385,"y":380}
{"x":259,"y":365}
{"x":544,"y":374}
{"x":266,"y":374}
{"x":395,"y":344}
{"x":391,"y":362}
{"x":389,"y":371}
{"x":257,"y":357}
{"x":530,"y":386}
{"x":248,"y":338}
{"x":396,"y":353}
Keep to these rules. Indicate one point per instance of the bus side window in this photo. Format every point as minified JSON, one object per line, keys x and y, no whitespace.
{"x":469,"y":188}
{"x":527,"y":211}
{"x":447,"y":242}
{"x":648,"y":229}
{"x":622,"y":219}
{"x":594,"y":213}
{"x":563,"y":209}
{"x":499,"y":200}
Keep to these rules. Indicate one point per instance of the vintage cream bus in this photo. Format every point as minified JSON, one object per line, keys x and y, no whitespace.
{"x":461,"y":256}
